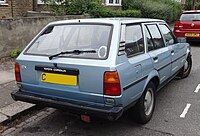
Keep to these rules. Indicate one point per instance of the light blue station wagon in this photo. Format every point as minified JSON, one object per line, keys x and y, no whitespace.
{"x":101,"y":67}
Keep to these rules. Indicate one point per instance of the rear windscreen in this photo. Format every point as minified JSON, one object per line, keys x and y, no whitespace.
{"x":61,"y":38}
{"x":190,"y":17}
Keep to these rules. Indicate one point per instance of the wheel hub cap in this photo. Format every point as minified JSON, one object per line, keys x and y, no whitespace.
{"x":149,"y":102}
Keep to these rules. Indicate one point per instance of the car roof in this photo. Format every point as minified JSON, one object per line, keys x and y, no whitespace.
{"x":109,"y":20}
{"x":191,"y":11}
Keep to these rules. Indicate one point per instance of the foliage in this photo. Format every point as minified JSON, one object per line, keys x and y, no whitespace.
{"x":188,"y":5}
{"x":15,"y":52}
{"x":83,"y":6}
{"x":198,"y":6}
{"x":59,"y":7}
{"x":132,"y":4}
{"x":106,"y":12}
{"x":168,"y":10}
{"x":63,"y":7}
{"x":92,"y":7}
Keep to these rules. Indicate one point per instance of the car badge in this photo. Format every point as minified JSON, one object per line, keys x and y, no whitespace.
{"x":55,"y":64}
{"x":192,"y":25}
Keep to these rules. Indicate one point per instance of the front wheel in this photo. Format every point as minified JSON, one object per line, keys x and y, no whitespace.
{"x":144,"y":108}
{"x":185,"y":71}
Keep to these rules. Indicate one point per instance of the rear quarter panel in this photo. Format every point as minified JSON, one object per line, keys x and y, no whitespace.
{"x":133,"y":80}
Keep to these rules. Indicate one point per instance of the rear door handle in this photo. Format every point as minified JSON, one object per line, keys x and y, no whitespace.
{"x":172,"y":51}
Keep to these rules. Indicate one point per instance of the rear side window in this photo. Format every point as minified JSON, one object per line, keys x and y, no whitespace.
{"x":149,"y":40}
{"x":167,"y":34}
{"x":134,"y":40}
{"x":156,"y":36}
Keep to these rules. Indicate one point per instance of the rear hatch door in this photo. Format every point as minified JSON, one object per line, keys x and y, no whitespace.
{"x":68,"y":61}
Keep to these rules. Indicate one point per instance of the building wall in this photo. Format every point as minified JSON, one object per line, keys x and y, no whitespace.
{"x":15,"y":8}
{"x":5,"y":10}
{"x":20,"y":7}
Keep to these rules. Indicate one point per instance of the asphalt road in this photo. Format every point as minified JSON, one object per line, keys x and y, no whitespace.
{"x":177,"y":113}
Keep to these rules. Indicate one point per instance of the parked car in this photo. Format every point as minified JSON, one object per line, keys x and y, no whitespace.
{"x":101,"y":67}
{"x":188,"y":26}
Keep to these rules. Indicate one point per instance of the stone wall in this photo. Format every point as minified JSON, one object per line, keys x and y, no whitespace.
{"x":17,"y":33}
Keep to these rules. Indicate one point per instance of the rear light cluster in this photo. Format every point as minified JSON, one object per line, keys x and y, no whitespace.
{"x":112,"y":84}
{"x":178,"y":25}
{"x":17,"y":72}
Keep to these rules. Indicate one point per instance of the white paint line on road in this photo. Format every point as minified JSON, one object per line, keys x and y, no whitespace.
{"x":197,"y":89}
{"x":185,"y":110}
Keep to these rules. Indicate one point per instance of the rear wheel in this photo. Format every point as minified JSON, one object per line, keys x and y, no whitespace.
{"x":185,"y":71}
{"x":144,"y":108}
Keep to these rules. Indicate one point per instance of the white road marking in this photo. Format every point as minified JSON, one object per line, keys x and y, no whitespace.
{"x":185,"y":110}
{"x":197,"y":89}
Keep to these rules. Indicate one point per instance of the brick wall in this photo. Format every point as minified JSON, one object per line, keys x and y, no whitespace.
{"x":5,"y":10}
{"x":15,"y":8}
{"x":20,"y":7}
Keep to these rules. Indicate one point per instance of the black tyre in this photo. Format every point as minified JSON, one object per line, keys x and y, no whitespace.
{"x":144,"y":108}
{"x":185,"y":71}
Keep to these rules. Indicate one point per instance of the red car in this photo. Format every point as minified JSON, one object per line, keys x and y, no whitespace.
{"x":188,"y":26}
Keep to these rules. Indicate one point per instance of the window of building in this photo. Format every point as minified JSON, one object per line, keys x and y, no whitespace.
{"x":113,"y":2}
{"x":2,"y":1}
{"x":51,"y":1}
{"x":40,"y":2}
{"x":134,"y":40}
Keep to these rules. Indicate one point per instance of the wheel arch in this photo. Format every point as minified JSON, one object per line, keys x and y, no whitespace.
{"x":153,"y":77}
{"x":188,"y":50}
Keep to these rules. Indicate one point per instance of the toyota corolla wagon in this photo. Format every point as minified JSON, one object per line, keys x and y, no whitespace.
{"x":101,"y":67}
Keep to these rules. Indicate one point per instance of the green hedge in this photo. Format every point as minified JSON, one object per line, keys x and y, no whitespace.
{"x":167,"y":10}
{"x":198,"y":6}
{"x":106,"y":12}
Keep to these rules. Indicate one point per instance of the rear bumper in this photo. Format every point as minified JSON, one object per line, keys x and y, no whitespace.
{"x":179,"y":33}
{"x":188,"y":39}
{"x":112,"y":113}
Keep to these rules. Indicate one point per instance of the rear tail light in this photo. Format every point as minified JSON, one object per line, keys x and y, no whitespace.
{"x":178,"y":25}
{"x":112,"y":84}
{"x":17,"y":72}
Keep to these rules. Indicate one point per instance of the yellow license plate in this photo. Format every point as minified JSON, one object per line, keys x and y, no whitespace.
{"x":63,"y":79}
{"x":192,"y":34}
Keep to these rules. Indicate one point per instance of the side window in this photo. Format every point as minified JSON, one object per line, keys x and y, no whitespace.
{"x":169,"y":39}
{"x":134,"y":40}
{"x":156,"y":36}
{"x":149,"y":40}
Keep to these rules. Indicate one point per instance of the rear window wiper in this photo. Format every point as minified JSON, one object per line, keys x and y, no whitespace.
{"x":76,"y":52}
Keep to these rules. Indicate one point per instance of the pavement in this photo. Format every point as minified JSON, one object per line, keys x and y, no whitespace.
{"x":9,"y":109}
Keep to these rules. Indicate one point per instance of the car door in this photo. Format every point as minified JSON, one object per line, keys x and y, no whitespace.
{"x":159,"y":53}
{"x":136,"y":64}
{"x":177,"y":50}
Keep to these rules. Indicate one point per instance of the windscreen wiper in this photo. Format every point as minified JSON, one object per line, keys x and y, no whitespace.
{"x":76,"y":52}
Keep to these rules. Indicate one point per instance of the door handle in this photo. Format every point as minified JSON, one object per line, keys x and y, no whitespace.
{"x":172,"y":51}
